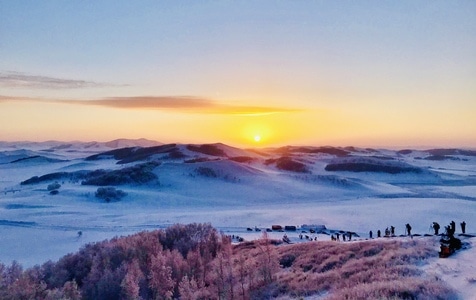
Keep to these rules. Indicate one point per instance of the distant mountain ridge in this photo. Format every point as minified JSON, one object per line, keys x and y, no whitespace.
{"x":143,"y":142}
{"x":62,"y":145}
{"x":120,"y":143}
{"x":288,"y":158}
{"x":175,"y":165}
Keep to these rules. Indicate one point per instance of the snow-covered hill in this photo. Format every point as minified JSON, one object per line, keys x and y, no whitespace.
{"x":350,"y":189}
{"x":74,"y":149}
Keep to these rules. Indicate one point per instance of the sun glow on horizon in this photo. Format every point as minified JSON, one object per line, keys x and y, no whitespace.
{"x":257,"y":138}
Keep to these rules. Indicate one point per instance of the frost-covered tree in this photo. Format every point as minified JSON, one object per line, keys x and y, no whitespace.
{"x":70,"y":291}
{"x":130,"y":283}
{"x":224,"y":276}
{"x":160,"y":277}
{"x":245,"y":269}
{"x":188,"y":289}
{"x":267,"y":260}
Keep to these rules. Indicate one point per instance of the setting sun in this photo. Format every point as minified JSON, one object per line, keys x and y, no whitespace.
{"x":257,"y":138}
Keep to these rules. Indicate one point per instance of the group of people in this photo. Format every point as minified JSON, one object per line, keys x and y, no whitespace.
{"x":388,"y":232}
{"x":345,"y":235}
{"x":449,"y":229}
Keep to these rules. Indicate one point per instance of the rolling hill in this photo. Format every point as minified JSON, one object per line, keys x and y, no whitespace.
{"x":50,"y":191}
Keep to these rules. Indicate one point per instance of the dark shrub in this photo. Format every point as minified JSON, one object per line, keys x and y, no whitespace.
{"x":287,"y":260}
{"x":207,"y":172}
{"x":53,"y":186}
{"x":306,"y":268}
{"x":109,"y":194}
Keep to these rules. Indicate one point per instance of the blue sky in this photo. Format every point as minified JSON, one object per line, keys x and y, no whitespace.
{"x":369,"y":64}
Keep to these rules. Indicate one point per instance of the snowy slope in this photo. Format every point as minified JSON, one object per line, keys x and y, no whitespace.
{"x":231,"y":188}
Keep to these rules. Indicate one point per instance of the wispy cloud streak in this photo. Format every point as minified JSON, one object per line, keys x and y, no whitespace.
{"x":186,"y":104}
{"x":4,"y":98}
{"x":23,"y":80}
{"x":151,"y":102}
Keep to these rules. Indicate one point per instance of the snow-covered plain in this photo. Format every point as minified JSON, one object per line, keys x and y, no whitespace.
{"x":234,"y":189}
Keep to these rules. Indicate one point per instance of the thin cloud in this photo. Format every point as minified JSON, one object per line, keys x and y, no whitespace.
{"x":186,"y":104}
{"x":150,"y":102}
{"x":183,"y":103}
{"x":4,"y":98}
{"x":23,"y":80}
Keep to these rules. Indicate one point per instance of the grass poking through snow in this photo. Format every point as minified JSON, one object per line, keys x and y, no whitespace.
{"x":384,"y":269}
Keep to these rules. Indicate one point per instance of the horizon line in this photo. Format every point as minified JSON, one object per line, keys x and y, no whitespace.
{"x":236,"y":145}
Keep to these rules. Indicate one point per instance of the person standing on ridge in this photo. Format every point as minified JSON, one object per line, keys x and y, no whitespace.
{"x":409,"y":229}
{"x":436,"y":227}
{"x":463,"y":227}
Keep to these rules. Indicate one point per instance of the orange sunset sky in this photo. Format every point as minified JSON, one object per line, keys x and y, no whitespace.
{"x":246,"y":73}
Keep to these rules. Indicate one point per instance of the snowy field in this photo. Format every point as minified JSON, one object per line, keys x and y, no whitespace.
{"x":234,"y":189}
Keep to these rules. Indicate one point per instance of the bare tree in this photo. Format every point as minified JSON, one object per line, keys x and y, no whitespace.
{"x":268,"y":262}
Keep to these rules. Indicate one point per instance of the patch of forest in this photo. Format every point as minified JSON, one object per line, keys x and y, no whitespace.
{"x":286,"y":163}
{"x":369,"y":167}
{"x":441,"y":158}
{"x":208,"y":149}
{"x":137,"y":174}
{"x":324,"y":150}
{"x":195,"y":262}
{"x":372,"y":164}
{"x":440,"y":152}
{"x":133,"y":154}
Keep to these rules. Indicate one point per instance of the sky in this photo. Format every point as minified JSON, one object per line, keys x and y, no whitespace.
{"x":246,"y":73}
